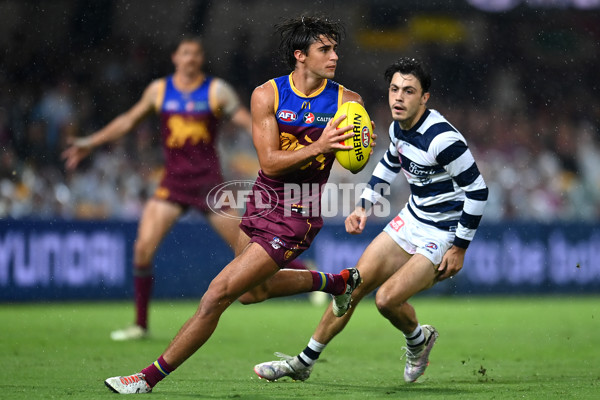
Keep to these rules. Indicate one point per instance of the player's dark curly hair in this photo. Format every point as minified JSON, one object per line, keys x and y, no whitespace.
{"x":299,"y":33}
{"x":408,"y":65}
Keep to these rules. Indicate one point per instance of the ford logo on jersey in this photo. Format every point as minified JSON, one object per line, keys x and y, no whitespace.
{"x":287,"y":116}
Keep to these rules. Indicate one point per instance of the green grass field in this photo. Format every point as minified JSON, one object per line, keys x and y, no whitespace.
{"x":489,"y":348}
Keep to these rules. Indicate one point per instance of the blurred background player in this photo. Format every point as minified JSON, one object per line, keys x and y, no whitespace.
{"x":425,"y":243}
{"x":190,"y":104}
{"x":291,"y":150}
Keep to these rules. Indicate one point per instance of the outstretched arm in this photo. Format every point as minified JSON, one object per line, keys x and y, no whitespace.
{"x":118,"y":127}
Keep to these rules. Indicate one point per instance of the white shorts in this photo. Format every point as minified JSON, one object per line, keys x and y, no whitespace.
{"x":416,"y":237}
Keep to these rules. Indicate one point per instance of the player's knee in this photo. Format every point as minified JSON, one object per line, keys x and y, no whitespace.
{"x":386,"y":303}
{"x":250,"y":298}
{"x":256,"y":295}
{"x":214,"y":302}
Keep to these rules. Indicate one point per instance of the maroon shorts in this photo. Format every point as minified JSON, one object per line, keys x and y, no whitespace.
{"x":283,"y":238}
{"x":185,"y":194}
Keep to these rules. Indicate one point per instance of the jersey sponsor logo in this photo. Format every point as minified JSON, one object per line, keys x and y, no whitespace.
{"x":397,"y":223}
{"x":172,"y":105}
{"x":324,"y":118}
{"x":183,"y":130}
{"x":316,"y":118}
{"x":287,"y":116}
{"x":419,"y":170}
{"x":192,"y":106}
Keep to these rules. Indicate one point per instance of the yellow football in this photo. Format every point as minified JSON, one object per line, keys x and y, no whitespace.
{"x":356,"y":115}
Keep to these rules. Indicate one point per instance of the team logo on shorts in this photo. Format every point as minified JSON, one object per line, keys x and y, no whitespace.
{"x":276,"y":243}
{"x":431,"y":246}
{"x":397,"y":223}
{"x":288,"y":254}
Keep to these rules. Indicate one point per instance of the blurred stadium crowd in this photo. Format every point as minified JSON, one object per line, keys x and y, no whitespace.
{"x":521,"y":86}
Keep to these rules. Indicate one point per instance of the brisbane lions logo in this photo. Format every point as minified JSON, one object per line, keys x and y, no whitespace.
{"x":182,"y":130}
{"x":289,"y":142}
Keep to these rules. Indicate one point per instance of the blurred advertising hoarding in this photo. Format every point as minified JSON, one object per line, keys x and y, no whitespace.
{"x":68,"y":260}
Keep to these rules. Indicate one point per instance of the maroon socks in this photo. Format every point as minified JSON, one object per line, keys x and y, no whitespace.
{"x":143,"y":282}
{"x":157,"y":371}
{"x":330,"y":283}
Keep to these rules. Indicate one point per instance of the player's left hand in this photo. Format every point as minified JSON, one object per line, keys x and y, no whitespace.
{"x":452,"y":262}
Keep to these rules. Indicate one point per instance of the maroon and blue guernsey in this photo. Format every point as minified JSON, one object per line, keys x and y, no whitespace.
{"x":294,"y":217}
{"x":188,"y":132}
{"x":301,"y":120}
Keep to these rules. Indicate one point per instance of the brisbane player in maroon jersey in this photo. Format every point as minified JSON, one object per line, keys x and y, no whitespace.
{"x":189,"y":104}
{"x":291,"y":151}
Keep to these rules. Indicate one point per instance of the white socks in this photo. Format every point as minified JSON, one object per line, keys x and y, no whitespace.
{"x":416,"y":338}
{"x":311,"y":353}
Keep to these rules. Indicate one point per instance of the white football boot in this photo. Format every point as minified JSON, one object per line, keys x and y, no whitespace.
{"x":417,"y":360}
{"x":287,"y":366}
{"x":133,"y":332}
{"x":132,"y":384}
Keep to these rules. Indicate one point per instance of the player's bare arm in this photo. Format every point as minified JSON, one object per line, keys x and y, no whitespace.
{"x":265,"y":134}
{"x":115,"y":129}
{"x":229,"y":105}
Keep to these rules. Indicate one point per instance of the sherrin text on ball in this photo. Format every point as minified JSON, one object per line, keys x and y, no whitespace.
{"x":356,"y":115}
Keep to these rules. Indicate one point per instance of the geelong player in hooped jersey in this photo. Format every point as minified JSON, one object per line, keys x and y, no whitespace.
{"x":189,"y":104}
{"x":295,"y":139}
{"x":425,"y":243}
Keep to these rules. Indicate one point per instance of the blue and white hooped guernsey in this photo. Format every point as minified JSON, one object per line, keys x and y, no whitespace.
{"x":447,"y":189}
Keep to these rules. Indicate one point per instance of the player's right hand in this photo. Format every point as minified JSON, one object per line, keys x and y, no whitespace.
{"x":78,"y":149}
{"x":355,"y":222}
{"x":332,"y":137}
